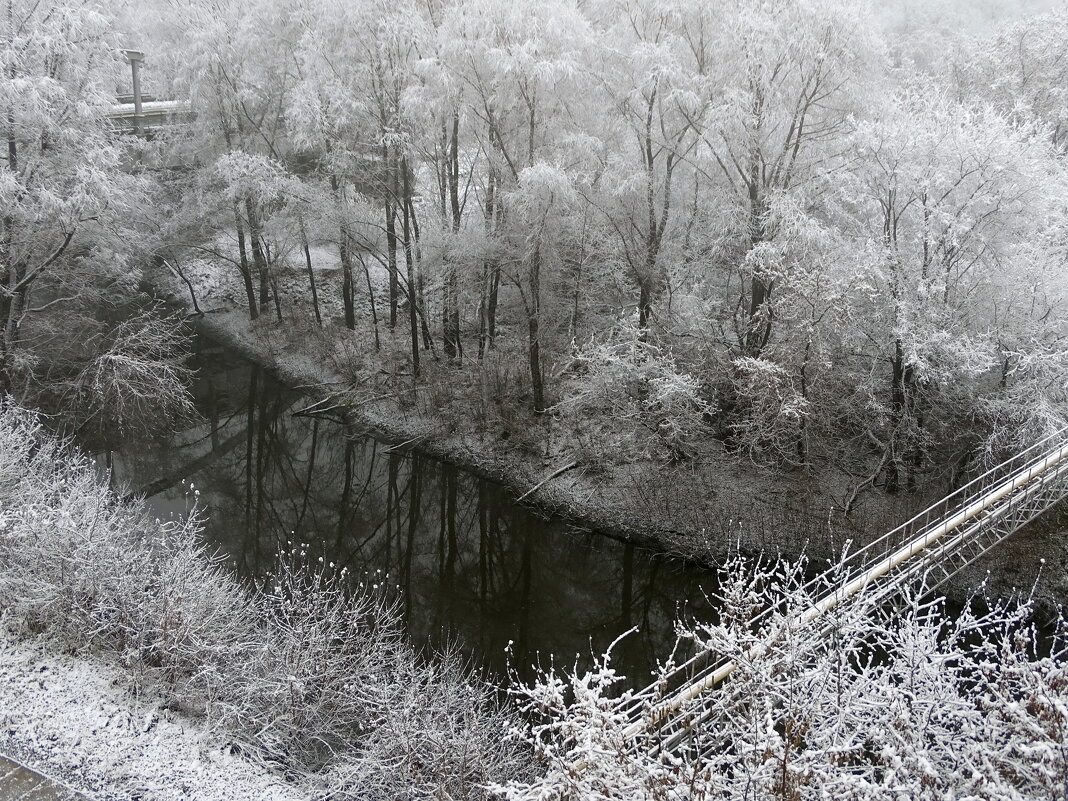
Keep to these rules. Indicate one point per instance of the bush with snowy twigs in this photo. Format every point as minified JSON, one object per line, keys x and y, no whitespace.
{"x":313,"y":677}
{"x":916,"y":705}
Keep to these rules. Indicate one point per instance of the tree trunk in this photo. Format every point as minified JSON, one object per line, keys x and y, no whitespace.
{"x":645,"y":303}
{"x":277,"y":298}
{"x":16,"y":309}
{"x":916,"y":452}
{"x":758,"y":324}
{"x":491,"y":311}
{"x":576,"y":296}
{"x":420,"y":284}
{"x":759,"y":329}
{"x":491,"y":270}
{"x":347,"y":292}
{"x":11,"y":311}
{"x":5,"y":350}
{"x":650,"y":280}
{"x":537,"y":382}
{"x":409,"y":263}
{"x":255,"y":233}
{"x":12,"y":304}
{"x":9,"y":305}
{"x":900,"y":403}
{"x":391,"y":194}
{"x":652,"y":242}
{"x":484,"y":288}
{"x":243,"y":266}
{"x":451,"y":306}
{"x":371,"y":299}
{"x":176,"y":269}
{"x":311,"y":272}
{"x":450,"y":315}
{"x":802,"y":429}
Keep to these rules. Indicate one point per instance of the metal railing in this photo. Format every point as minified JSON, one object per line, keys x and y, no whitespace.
{"x":933,"y":545}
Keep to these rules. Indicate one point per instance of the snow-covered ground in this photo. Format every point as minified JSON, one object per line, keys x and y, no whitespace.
{"x":77,"y":720}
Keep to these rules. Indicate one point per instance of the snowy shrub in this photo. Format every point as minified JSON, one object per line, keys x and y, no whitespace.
{"x":770,"y":411}
{"x":873,"y":705}
{"x":579,"y":738}
{"x":337,"y":695}
{"x":312,"y":676}
{"x":441,"y":737}
{"x":127,"y":377}
{"x":101,"y":573}
{"x":633,"y":378}
{"x":1032,"y":403}
{"x":321,"y":678}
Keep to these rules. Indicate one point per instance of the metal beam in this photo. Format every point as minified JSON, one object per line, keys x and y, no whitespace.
{"x":947,"y":536}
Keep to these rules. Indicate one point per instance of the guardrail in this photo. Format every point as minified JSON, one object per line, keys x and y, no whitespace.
{"x":153,"y":116}
{"x":934,"y":545}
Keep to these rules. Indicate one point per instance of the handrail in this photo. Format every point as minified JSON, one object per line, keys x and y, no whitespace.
{"x":991,"y":493}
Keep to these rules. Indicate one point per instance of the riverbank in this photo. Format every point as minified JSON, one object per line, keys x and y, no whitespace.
{"x":604,"y":473}
{"x":693,"y":511}
{"x":698,"y":509}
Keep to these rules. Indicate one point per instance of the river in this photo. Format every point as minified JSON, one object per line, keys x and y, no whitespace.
{"x":467,"y":563}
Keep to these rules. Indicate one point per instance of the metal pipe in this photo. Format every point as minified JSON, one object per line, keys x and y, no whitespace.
{"x":880,"y":569}
{"x":963,"y":496}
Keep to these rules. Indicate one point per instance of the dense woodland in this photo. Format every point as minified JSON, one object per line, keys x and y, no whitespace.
{"x":814,"y":231}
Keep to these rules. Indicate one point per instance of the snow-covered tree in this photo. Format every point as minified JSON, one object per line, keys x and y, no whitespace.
{"x":955,"y":205}
{"x":61,"y":186}
{"x":69,"y":233}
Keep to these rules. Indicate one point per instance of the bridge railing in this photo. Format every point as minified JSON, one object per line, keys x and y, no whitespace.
{"x":949,"y":534}
{"x":153,"y":115}
{"x":1027,"y":464}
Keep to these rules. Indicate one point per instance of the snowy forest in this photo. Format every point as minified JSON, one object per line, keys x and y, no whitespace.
{"x":647,"y":262}
{"x":816,"y":231}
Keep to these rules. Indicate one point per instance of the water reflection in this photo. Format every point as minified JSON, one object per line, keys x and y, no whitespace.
{"x":468,"y":563}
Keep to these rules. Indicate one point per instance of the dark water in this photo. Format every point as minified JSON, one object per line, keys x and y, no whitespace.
{"x":469,"y":564}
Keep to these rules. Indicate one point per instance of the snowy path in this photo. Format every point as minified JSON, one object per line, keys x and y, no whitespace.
{"x":18,"y":783}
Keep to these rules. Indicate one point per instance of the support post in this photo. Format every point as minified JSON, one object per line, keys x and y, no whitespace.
{"x":135,"y":57}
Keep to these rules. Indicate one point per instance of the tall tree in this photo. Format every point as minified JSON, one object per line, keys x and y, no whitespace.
{"x":540,"y":205}
{"x":237,"y":69}
{"x":1023,"y":69}
{"x":356,"y":63}
{"x":517,"y":67}
{"x":61,"y":185}
{"x":787,"y":77}
{"x":655,"y":71}
{"x":951,"y":195}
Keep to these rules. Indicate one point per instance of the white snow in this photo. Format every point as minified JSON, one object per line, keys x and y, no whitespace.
{"x":76,"y":718}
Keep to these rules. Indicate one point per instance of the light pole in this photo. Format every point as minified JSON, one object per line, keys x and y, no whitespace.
{"x":135,"y":57}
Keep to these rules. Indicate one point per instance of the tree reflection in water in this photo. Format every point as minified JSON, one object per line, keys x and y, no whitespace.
{"x":468,"y":563}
